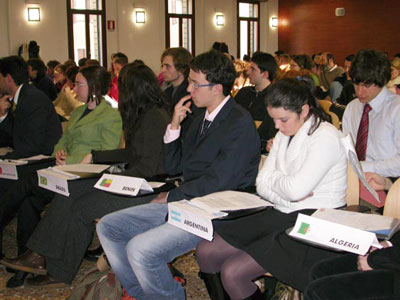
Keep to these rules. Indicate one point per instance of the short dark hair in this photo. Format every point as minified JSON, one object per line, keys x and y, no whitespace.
{"x":291,"y":94}
{"x":17,"y":68}
{"x":279,"y":52}
{"x":71,"y":72}
{"x":181,"y":58}
{"x":217,"y":67}
{"x":349,"y":57}
{"x":265,"y":62}
{"x":397,"y":55}
{"x":330,"y":56}
{"x":52,"y":63}
{"x":121,"y":61}
{"x":98,"y":80}
{"x":82,"y":61}
{"x":37,"y":65}
{"x":70,"y":62}
{"x":220,"y":46}
{"x":304,"y":61}
{"x":370,"y":66}
{"x":119,"y":55}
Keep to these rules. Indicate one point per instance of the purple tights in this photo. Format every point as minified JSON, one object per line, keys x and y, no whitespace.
{"x":237,"y":268}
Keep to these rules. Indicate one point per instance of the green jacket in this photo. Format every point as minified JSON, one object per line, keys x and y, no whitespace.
{"x":101,"y":129}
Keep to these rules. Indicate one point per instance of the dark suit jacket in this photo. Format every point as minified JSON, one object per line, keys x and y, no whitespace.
{"x":34,"y":126}
{"x":387,"y":258}
{"x":143,"y":151}
{"x":226,"y":157}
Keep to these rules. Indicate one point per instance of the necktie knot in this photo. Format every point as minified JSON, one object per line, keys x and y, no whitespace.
{"x":367,"y":108}
{"x":206,"y":125}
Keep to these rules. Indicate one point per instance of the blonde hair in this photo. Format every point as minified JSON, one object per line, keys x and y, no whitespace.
{"x":396,"y":63}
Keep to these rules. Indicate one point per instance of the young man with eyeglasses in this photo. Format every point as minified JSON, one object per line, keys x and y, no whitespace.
{"x":219,"y":152}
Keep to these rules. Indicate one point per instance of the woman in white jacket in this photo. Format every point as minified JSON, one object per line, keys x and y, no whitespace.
{"x":305,"y":170}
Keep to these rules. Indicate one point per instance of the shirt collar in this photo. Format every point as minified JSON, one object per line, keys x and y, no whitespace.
{"x":377,"y":102}
{"x":211,"y":116}
{"x":333,"y":68}
{"x":15,"y":99}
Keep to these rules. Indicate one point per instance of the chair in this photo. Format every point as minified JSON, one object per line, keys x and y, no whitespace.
{"x":334,"y":119}
{"x":257,"y":123}
{"x":392,"y":204}
{"x":353,"y":187}
{"x":325,"y":105}
{"x":262,"y":160}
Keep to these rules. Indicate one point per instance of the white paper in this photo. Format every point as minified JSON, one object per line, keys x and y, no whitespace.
{"x":35,"y":157}
{"x":350,"y":151}
{"x":82,"y":168}
{"x":332,"y":235}
{"x":367,"y":222}
{"x":155,"y":184}
{"x":229,"y":201}
{"x":8,"y":170}
{"x":191,"y":219}
{"x":124,"y":185}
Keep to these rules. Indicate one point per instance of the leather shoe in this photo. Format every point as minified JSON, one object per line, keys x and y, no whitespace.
{"x":17,"y":280}
{"x":94,"y":254}
{"x":30,"y":262}
{"x":44,"y":281}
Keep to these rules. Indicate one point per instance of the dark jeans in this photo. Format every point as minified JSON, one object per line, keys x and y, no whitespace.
{"x":67,"y":228}
{"x":338,"y":278}
{"x":26,"y":199}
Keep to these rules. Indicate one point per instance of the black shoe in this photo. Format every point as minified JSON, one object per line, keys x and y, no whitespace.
{"x":17,"y":280}
{"x":214,"y":286}
{"x":93,"y":255}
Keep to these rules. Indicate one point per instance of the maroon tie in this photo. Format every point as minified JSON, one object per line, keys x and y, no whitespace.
{"x":362,"y":134}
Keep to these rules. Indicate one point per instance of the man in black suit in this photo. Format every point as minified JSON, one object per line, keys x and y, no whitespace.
{"x":175,"y":70}
{"x":34,"y":125}
{"x":221,"y":151}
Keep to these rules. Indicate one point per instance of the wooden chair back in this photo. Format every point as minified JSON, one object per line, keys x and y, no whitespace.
{"x":392,"y":204}
{"x":325,"y":105}
{"x":334,"y":119}
{"x":353,"y":187}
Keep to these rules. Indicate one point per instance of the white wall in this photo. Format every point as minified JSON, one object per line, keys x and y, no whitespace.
{"x":143,"y":42}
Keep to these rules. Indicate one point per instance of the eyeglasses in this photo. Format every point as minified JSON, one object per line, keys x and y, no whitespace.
{"x":196,"y":85}
{"x":79,"y":84}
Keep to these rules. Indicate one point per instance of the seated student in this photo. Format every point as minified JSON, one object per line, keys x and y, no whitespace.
{"x":66,"y":230}
{"x":37,"y":75}
{"x":59,"y":76}
{"x":118,"y":61}
{"x":305,"y":170}
{"x":93,"y":126}
{"x":67,"y":101}
{"x":373,"y":118}
{"x":372,"y":276}
{"x":219,"y":152}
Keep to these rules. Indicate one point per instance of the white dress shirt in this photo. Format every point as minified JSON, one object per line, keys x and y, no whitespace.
{"x":383,"y":146}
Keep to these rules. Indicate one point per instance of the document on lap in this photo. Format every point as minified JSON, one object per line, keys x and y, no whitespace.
{"x":196,"y":215}
{"x":8,"y":167}
{"x":334,"y":236}
{"x":384,"y":227}
{"x":124,"y":185}
{"x":350,"y":151}
{"x":56,"y":178}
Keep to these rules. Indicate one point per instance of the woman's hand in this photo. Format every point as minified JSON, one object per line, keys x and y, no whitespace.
{"x":61,"y":157}
{"x":269,"y":144}
{"x":88,"y":159}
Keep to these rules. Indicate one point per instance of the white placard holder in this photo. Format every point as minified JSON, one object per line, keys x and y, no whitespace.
{"x":332,"y":235}
{"x":8,"y":170}
{"x":55,"y":180}
{"x":191,"y":219}
{"x":124,"y":185}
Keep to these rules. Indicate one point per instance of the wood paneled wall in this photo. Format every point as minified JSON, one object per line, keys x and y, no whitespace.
{"x":310,"y":26}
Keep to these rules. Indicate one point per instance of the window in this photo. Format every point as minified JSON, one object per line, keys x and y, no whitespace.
{"x":87,"y":30}
{"x":248,"y":27}
{"x":179,"y":19}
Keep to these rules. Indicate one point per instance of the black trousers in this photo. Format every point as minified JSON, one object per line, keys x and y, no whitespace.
{"x":67,"y":228}
{"x":27,"y":200}
{"x":338,"y":278}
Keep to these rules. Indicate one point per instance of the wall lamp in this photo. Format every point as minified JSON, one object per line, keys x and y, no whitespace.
{"x":274,"y":22}
{"x":140,"y":17}
{"x":33,"y":14}
{"x":219,"y":20}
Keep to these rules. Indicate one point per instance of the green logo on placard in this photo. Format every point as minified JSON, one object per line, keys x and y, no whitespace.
{"x":304,"y":228}
{"x":43,"y":180}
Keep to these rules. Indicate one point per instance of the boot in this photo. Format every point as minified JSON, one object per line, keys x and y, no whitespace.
{"x":256,"y":296}
{"x":214,"y":286}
